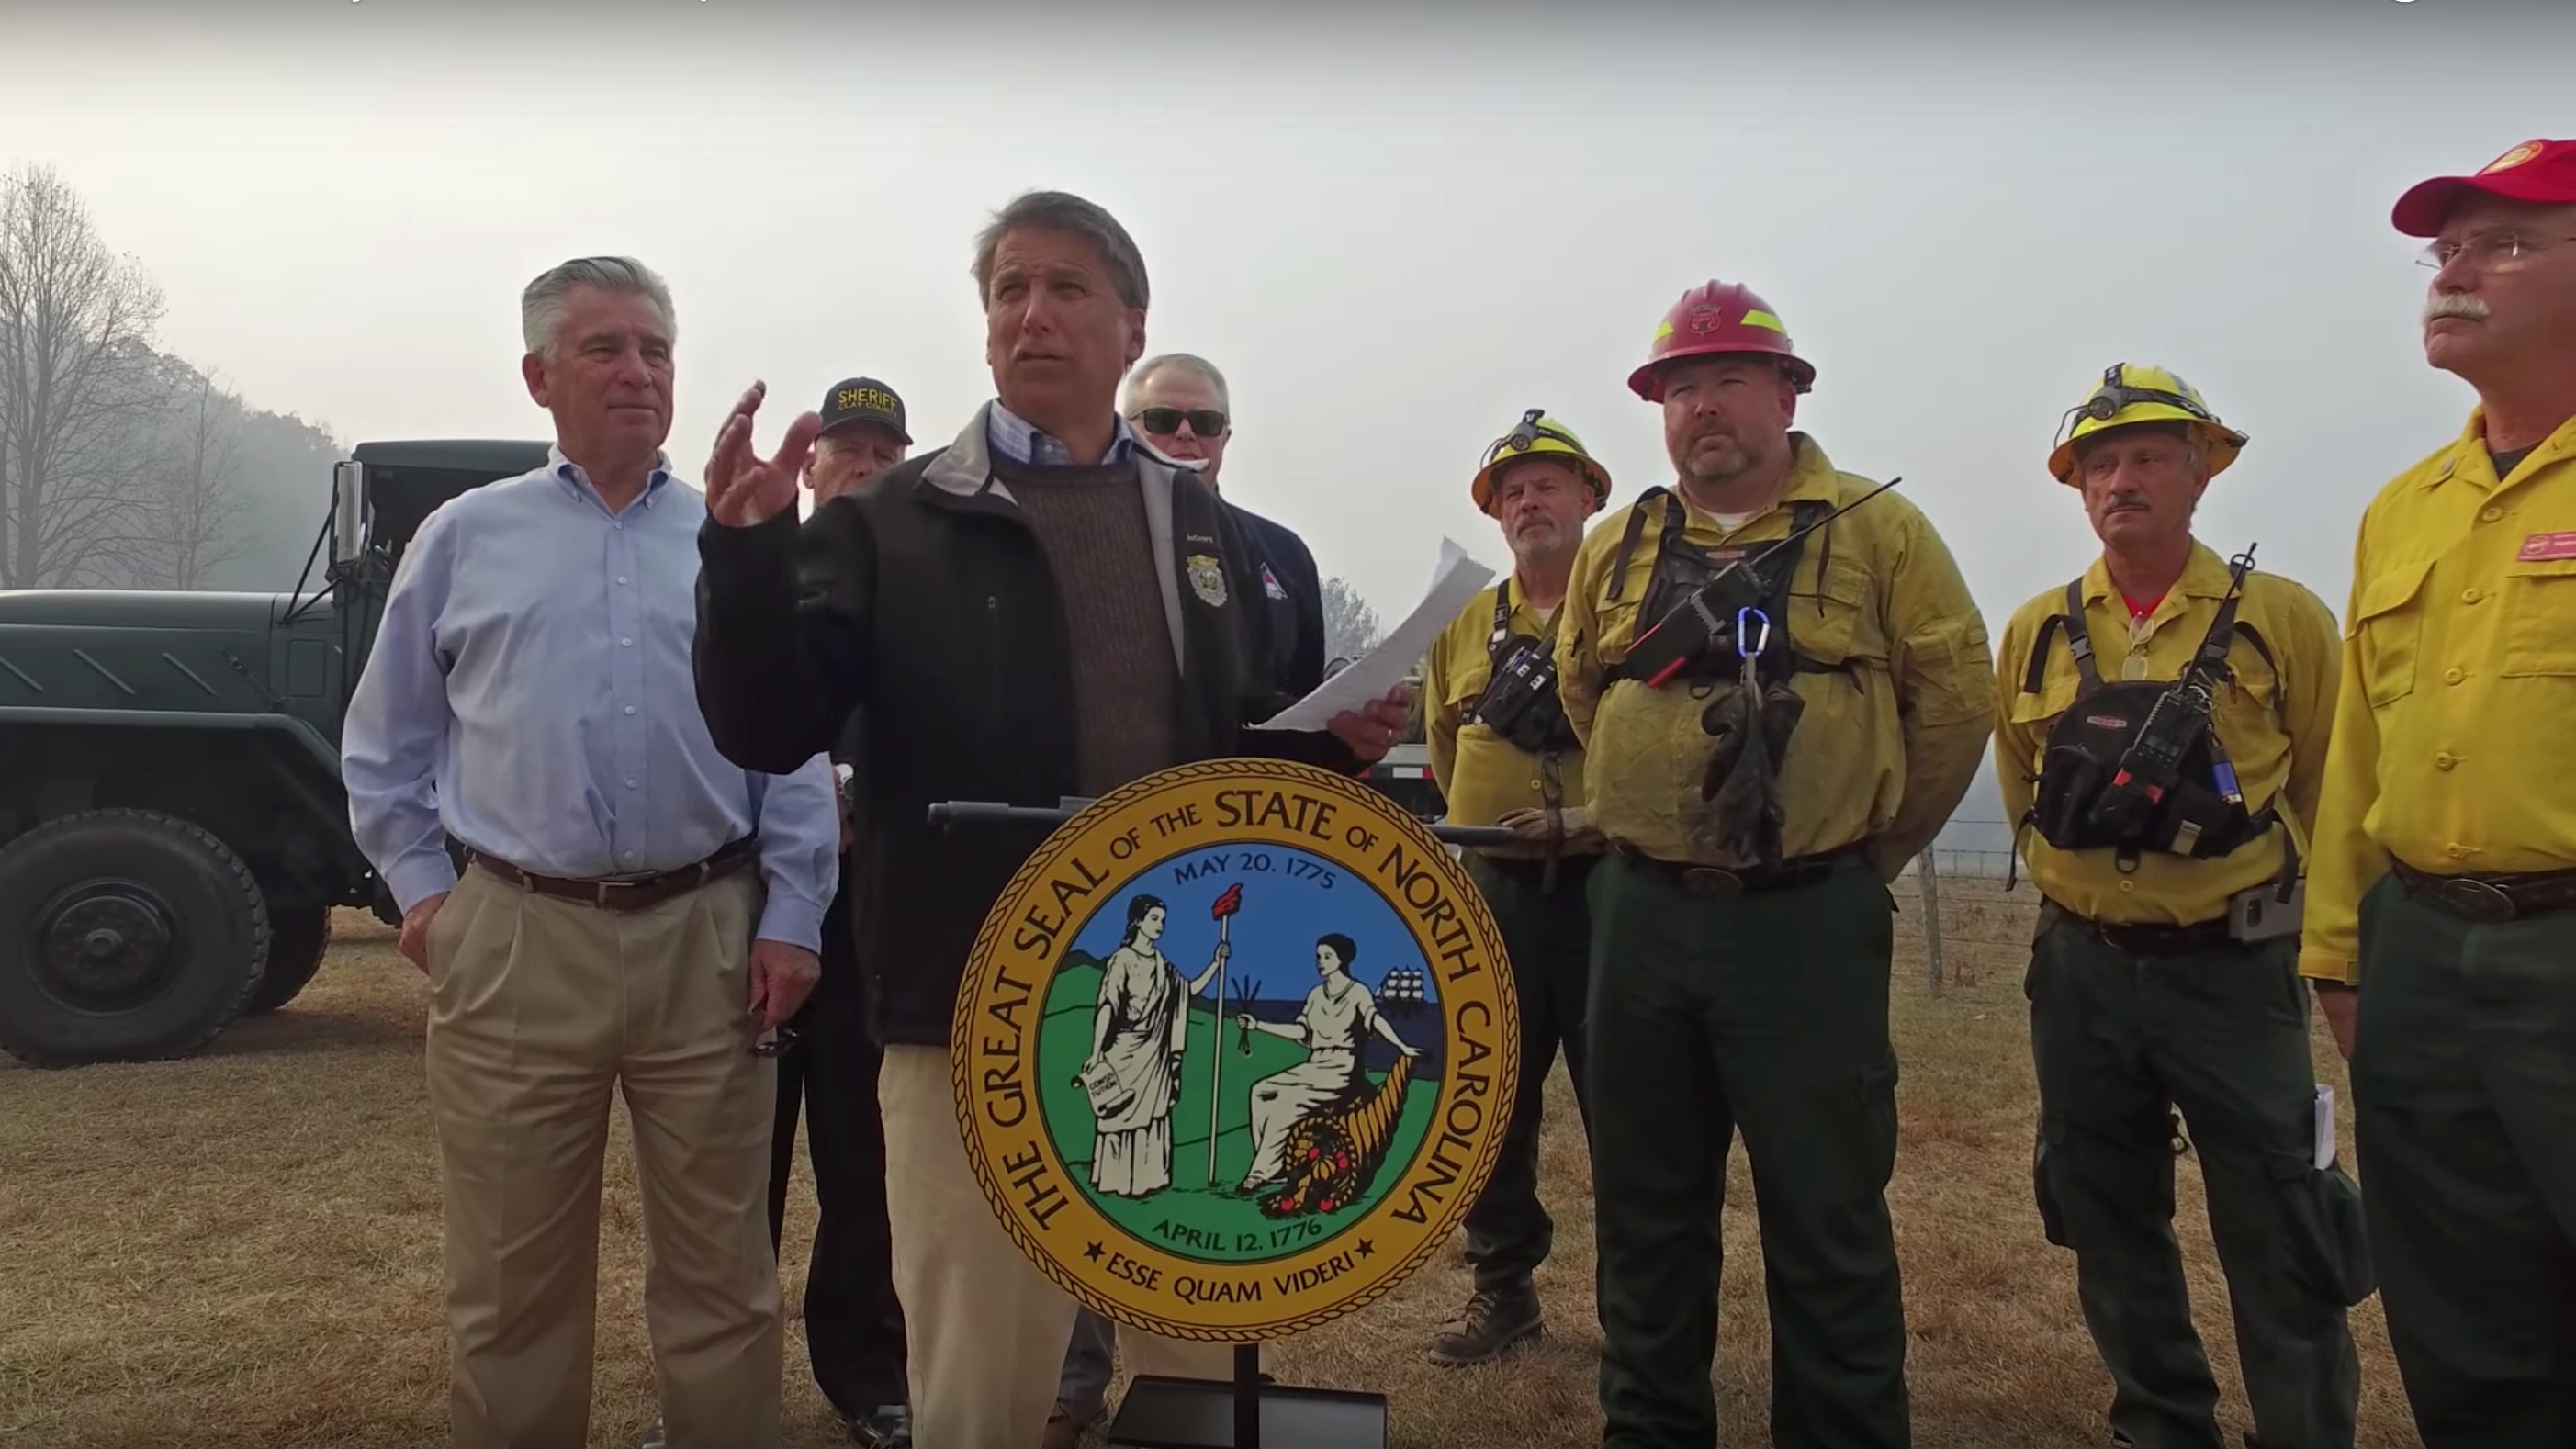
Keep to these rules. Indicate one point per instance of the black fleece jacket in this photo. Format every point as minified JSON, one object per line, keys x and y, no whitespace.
{"x":923,"y":602}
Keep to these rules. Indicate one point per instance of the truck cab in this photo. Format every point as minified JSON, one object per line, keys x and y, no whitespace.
{"x":173,"y":831}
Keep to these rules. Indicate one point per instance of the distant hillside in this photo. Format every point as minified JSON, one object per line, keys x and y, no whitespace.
{"x":283,"y":475}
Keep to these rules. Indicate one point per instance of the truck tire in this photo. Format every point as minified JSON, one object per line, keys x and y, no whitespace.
{"x":125,"y":935}
{"x":297,"y":937}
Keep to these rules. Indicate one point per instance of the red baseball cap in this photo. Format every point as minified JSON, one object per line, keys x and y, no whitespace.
{"x":2541,"y":171}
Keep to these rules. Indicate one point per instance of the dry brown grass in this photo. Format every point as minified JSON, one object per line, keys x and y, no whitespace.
{"x":243,"y":1249}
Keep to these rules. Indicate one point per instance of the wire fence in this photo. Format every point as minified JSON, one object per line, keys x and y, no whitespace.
{"x":1962,"y":917}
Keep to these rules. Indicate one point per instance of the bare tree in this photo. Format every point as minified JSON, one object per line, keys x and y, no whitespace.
{"x":196,"y":517}
{"x":76,"y":403}
{"x":1350,"y":625}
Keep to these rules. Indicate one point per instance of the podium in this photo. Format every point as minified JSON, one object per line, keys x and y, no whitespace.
{"x":1249,"y":1413}
{"x":1374,"y":1132}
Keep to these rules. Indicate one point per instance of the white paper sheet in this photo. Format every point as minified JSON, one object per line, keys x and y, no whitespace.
{"x":1453,"y":583}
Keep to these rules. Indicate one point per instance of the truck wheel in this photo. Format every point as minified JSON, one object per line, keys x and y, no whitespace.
{"x":297,"y":937}
{"x":125,"y":935}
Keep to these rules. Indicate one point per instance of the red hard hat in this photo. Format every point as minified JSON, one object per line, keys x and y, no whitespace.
{"x":1715,"y":318}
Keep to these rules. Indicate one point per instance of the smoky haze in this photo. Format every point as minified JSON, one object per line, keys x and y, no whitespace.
{"x":1393,"y":235}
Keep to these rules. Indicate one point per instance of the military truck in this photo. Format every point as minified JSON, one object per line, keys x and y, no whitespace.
{"x":173,"y":832}
{"x":1404,"y":775}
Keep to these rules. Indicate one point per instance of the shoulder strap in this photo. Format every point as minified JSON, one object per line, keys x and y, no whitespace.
{"x":2079,"y":639}
{"x":1673,"y":523}
{"x":2079,"y":642}
{"x":1802,"y":513}
{"x":2280,"y":686}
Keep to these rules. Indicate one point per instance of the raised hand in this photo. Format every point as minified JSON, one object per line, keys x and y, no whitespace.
{"x":744,"y":488}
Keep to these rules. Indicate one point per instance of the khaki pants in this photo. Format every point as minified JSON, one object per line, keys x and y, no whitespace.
{"x":987,"y":1331}
{"x":538,"y":1007}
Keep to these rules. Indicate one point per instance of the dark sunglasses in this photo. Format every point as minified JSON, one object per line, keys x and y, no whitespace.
{"x":1163,"y":422}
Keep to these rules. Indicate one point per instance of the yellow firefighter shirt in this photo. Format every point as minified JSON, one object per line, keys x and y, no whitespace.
{"x":1482,"y":775}
{"x":2272,"y":718}
{"x":1890,"y":737}
{"x":2459,"y":682}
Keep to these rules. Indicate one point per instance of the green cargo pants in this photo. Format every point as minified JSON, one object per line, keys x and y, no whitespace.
{"x":1765,"y":1014}
{"x":2464,"y":1075}
{"x":2120,"y":1040}
{"x":1549,"y":937}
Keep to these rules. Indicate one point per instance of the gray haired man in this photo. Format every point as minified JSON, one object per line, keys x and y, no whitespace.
{"x":634,"y":911}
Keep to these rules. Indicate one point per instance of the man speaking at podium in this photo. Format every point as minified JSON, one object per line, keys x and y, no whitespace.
{"x":1046,"y":607}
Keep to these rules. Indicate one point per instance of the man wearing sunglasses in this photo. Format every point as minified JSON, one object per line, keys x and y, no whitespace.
{"x":2442,"y":922}
{"x":1181,"y":405}
{"x":2164,"y":974}
{"x":1179,"y":402}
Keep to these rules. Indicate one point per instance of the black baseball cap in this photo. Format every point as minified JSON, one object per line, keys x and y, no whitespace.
{"x":864,"y":400}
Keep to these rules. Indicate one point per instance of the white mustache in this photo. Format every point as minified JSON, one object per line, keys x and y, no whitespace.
{"x":2455,"y":304}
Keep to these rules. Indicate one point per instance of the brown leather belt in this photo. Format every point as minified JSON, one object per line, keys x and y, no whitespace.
{"x":2491,"y":898}
{"x":625,"y":893}
{"x":1713,"y":883}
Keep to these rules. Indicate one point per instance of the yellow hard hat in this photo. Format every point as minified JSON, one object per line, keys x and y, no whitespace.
{"x":1537,"y":435}
{"x":2131,"y":393}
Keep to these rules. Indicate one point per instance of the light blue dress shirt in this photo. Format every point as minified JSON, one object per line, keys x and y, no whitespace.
{"x":1019,"y":440}
{"x":530,"y":693}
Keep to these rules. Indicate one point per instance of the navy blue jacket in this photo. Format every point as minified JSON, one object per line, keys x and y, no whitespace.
{"x":1296,"y":598}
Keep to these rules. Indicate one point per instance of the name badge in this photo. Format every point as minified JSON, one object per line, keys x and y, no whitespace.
{"x":2545,"y":547}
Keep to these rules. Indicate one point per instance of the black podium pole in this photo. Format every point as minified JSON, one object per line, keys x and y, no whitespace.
{"x":1247,"y":1396}
{"x":1249,"y":1413}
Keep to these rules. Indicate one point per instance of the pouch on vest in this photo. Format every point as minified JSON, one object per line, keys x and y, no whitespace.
{"x":1520,"y":703}
{"x":1699,"y":641}
{"x":2137,"y":765}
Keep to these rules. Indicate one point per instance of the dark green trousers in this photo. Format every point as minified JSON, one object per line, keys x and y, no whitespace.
{"x":1549,"y":937}
{"x":2464,"y":1067}
{"x":2121,"y":1040}
{"x":1764,"y":1014}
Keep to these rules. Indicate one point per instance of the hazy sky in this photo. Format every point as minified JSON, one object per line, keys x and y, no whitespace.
{"x":1393,"y":234}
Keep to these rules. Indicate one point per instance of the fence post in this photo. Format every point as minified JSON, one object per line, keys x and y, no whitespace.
{"x":1928,"y":881}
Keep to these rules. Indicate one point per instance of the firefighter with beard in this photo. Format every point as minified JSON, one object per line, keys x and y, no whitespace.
{"x":1779,"y":712}
{"x":2162,"y":741}
{"x":1503,"y":754}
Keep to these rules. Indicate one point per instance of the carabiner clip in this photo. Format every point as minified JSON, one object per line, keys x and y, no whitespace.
{"x":1760,"y":643}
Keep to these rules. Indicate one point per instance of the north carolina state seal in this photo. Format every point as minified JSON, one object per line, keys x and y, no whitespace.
{"x":1235,"y":1050}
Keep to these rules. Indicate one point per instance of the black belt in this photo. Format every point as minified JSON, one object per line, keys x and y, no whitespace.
{"x":2491,"y":898}
{"x":629,"y":892}
{"x":1718,"y":883}
{"x":2149,"y":940}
